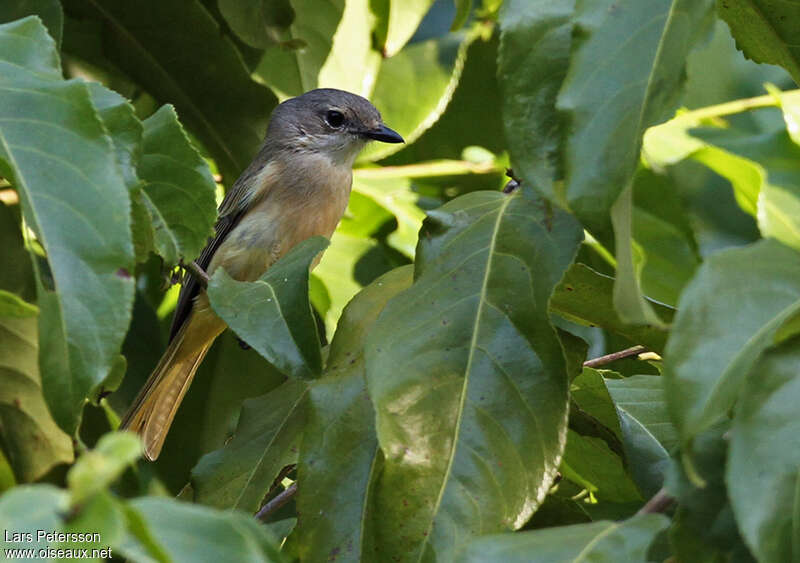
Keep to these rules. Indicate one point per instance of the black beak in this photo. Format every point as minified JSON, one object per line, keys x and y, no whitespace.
{"x":384,"y":134}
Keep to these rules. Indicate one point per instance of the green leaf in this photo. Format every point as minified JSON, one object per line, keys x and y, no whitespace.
{"x":30,"y":439}
{"x":765,"y":31}
{"x":713,"y":344}
{"x":396,"y":197}
{"x":99,"y":467}
{"x":415,"y":107}
{"x":16,"y":514}
{"x":764,"y":456}
{"x":259,"y":23}
{"x":463,"y":9}
{"x":631,"y":55}
{"x":598,"y":541}
{"x":339,"y":457}
{"x":178,"y":188}
{"x":267,"y":439}
{"x":176,"y":51}
{"x":472,"y":426}
{"x":49,"y":11}
{"x":585,"y":297}
{"x":16,"y":276}
{"x":11,"y":305}
{"x":50,"y":131}
{"x":647,"y":431}
{"x":535,"y":43}
{"x":188,"y":532}
{"x":273,"y":314}
{"x":396,"y":21}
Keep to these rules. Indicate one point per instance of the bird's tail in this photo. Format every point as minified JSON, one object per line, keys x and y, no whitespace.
{"x":153,"y":410}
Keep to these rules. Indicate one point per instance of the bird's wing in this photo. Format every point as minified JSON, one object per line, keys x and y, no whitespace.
{"x":235,"y":205}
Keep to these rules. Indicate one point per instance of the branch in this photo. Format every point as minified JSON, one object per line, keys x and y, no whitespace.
{"x":658,"y":504}
{"x":200,"y":273}
{"x":607,"y":359}
{"x":272,"y":506}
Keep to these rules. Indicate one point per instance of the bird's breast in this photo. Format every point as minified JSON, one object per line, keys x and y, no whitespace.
{"x":287,"y":214}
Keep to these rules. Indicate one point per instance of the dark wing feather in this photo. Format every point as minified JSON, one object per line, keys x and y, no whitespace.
{"x":191,"y":286}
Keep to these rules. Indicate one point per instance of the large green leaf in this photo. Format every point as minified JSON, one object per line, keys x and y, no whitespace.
{"x":339,"y":457}
{"x":764,"y":456}
{"x":31,"y":440}
{"x":259,"y":23}
{"x":176,"y":51}
{"x":765,"y":31}
{"x":267,"y":439}
{"x":727,"y":315}
{"x":415,"y":107}
{"x":396,"y":22}
{"x":585,"y":297}
{"x":55,"y":150}
{"x":598,"y":541}
{"x":178,"y":188}
{"x":273,"y":314}
{"x":632,"y":56}
{"x":49,"y":11}
{"x":468,"y":376}
{"x":533,"y":59}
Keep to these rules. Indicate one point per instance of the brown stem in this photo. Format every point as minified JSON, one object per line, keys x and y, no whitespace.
{"x":607,"y":359}
{"x":200,"y":273}
{"x":658,"y":504}
{"x":272,"y":506}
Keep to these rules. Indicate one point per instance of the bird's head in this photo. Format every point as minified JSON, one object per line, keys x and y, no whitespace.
{"x":329,"y":122}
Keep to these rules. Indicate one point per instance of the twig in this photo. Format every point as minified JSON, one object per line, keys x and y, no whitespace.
{"x":202,"y":276}
{"x":607,"y":359}
{"x":272,"y":506}
{"x":658,"y":504}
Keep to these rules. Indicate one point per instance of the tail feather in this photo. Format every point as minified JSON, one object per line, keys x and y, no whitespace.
{"x":153,"y":410}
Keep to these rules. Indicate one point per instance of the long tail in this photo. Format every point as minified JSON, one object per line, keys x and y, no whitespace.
{"x":153,"y":410}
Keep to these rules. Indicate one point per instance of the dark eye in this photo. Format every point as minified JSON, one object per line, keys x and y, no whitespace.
{"x":334,"y":118}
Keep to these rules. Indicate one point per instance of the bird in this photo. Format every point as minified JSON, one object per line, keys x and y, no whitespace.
{"x":295,"y":188}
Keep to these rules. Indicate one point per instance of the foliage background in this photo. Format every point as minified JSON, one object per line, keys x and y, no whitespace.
{"x":432,"y":405}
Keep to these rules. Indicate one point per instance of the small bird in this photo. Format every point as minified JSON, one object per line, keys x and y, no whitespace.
{"x":295,"y":188}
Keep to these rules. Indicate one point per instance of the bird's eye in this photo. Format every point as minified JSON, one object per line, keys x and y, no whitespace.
{"x":334,"y":118}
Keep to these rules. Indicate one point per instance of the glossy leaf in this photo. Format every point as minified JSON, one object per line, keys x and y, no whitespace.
{"x":632,"y":56}
{"x":396,"y":21}
{"x":267,"y":439}
{"x":192,"y":66}
{"x":472,"y":426}
{"x":763,"y":460}
{"x":713,"y":345}
{"x":536,"y":36}
{"x":765,"y":31}
{"x":290,"y":72}
{"x":584,"y":296}
{"x":273,"y":314}
{"x":598,"y":541}
{"x":82,"y":220}
{"x":31,"y":440}
{"x":259,"y":23}
{"x":339,"y":457}
{"x":178,"y":188}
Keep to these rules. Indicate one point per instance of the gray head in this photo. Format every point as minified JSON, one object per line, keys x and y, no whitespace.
{"x":331,"y":122}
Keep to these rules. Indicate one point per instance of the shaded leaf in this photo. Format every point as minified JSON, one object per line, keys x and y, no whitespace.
{"x":266,"y":439}
{"x":259,"y":23}
{"x":273,"y":314}
{"x":763,"y":460}
{"x":598,"y":541}
{"x":191,"y":65}
{"x":584,"y":296}
{"x":11,"y":305}
{"x":49,"y":11}
{"x":80,"y":214}
{"x":339,"y":456}
{"x":30,"y":439}
{"x":713,"y":345}
{"x":472,"y":427}
{"x":16,"y":276}
{"x":632,"y":56}
{"x":765,"y":31}
{"x":536,"y":37}
{"x":178,"y":188}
